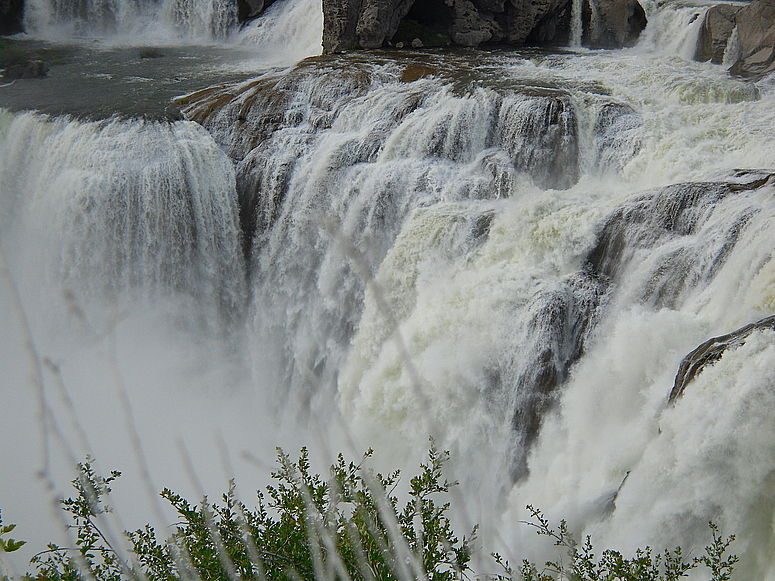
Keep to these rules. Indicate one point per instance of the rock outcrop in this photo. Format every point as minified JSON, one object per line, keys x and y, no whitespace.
{"x":612,"y":24}
{"x":11,"y":14}
{"x":249,"y":9}
{"x":350,"y":24}
{"x":711,"y":351}
{"x":717,"y":27}
{"x":756,"y":33}
{"x":751,"y":50}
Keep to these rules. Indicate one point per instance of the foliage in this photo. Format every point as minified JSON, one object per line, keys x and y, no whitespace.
{"x":303,"y":529}
{"x":7,"y":545}
{"x":346,"y":528}
{"x":94,"y":557}
{"x":613,"y":566}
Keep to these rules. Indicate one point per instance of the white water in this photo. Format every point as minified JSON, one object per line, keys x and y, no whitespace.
{"x":288,"y":30}
{"x":440,"y":193}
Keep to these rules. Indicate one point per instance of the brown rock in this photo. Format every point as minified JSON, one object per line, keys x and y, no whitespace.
{"x":717,"y":27}
{"x":756,"y":31}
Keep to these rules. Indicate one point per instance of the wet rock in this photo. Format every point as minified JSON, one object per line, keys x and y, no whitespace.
{"x":249,"y":9}
{"x":711,"y":351}
{"x":30,"y":69}
{"x":11,"y":17}
{"x":618,"y":136}
{"x":561,"y":321}
{"x":540,"y":133}
{"x":374,"y":23}
{"x":651,"y":226}
{"x":612,"y":23}
{"x":717,"y":27}
{"x":756,"y":34}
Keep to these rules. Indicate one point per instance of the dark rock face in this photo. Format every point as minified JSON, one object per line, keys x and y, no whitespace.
{"x":618,"y":136}
{"x":716,"y":29}
{"x":375,"y":23}
{"x":249,"y":9}
{"x":540,"y":133}
{"x":561,"y":321}
{"x":612,"y":23}
{"x":711,"y":351}
{"x":11,"y":15}
{"x":650,"y":227}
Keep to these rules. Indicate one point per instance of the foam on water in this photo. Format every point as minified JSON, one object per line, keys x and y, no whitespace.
{"x":426,"y":261}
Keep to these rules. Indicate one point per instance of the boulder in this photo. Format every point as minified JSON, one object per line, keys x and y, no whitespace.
{"x":11,"y":15}
{"x":379,"y":20}
{"x":612,"y":23}
{"x":711,"y":351}
{"x":30,"y":69}
{"x":756,"y":33}
{"x":717,"y":27}
{"x":538,"y":22}
{"x":249,"y":9}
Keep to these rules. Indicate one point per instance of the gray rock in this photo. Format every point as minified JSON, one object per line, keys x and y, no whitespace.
{"x":470,"y":27}
{"x":31,"y":69}
{"x":249,"y":9}
{"x":538,"y":22}
{"x":711,"y":351}
{"x":379,"y":20}
{"x":374,"y":23}
{"x":717,"y":27}
{"x":612,"y":23}
{"x":340,"y":17}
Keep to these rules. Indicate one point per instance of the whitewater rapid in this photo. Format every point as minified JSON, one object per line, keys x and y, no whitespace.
{"x":502,"y":250}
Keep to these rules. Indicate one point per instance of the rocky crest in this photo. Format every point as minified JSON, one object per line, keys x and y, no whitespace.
{"x":352,"y":24}
{"x":711,"y":351}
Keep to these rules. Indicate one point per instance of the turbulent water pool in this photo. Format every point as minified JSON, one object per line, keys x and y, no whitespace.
{"x":510,"y":251}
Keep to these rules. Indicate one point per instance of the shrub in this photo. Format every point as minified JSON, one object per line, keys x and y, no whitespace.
{"x":303,"y":529}
{"x":346,"y":528}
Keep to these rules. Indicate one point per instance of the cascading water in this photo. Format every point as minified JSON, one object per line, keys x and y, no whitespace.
{"x":511,"y":252}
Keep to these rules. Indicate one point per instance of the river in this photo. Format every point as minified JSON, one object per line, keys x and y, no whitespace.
{"x":508,"y":250}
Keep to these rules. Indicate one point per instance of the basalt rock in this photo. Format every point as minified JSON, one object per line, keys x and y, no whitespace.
{"x":711,"y":351}
{"x":612,"y":23}
{"x":249,"y":9}
{"x":349,"y":24}
{"x":649,"y":227}
{"x":30,"y":69}
{"x":717,"y":27}
{"x":11,"y":15}
{"x":756,"y":33}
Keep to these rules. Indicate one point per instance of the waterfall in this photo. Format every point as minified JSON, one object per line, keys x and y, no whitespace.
{"x":511,"y":252}
{"x":131,"y":22}
{"x":576,"y":24}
